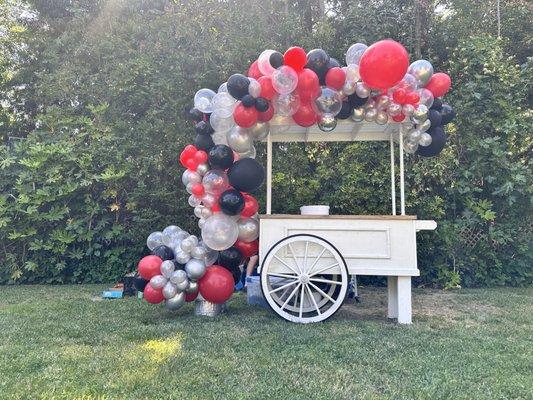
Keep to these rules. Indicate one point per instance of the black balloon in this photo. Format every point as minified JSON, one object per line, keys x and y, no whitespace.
{"x":248,"y":101}
{"x":317,"y":60}
{"x":229,"y":258}
{"x":231,"y":202}
{"x":346,"y":110}
{"x":437,"y":144}
{"x":203,"y":128}
{"x":139,"y":283}
{"x":333,"y":63}
{"x":238,"y":86}
{"x":220,"y":156}
{"x":196,"y":114}
{"x":447,"y":114}
{"x":246,"y":175}
{"x":261,"y":104}
{"x":163,"y":252}
{"x":435,"y":118}
{"x":204,"y":142}
{"x":276,"y":59}
{"x":357,"y":101}
{"x":235,"y":272}
{"x":437,"y":104}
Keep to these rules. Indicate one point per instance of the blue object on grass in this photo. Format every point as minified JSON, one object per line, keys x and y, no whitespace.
{"x":254,"y":294}
{"x":112,"y":294}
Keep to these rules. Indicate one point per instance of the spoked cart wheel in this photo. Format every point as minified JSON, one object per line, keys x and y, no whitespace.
{"x":304,"y":278}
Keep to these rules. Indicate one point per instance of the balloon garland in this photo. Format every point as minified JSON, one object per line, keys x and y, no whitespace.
{"x":377,"y":85}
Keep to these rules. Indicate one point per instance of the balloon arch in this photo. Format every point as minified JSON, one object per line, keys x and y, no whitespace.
{"x":377,"y":85}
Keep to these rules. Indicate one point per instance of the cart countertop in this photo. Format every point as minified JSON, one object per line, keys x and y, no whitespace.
{"x":361,"y":217}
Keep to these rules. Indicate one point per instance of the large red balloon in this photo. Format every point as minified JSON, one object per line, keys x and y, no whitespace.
{"x":149,"y":266}
{"x":247,"y":249}
{"x":383,"y":64}
{"x":267,"y":90}
{"x":305,"y":115}
{"x":253,"y":71}
{"x":335,"y":78}
{"x":439,"y":84}
{"x":308,"y":85}
{"x":152,"y":295}
{"x":245,"y":116}
{"x":250,"y":205}
{"x":217,"y":284}
{"x":295,"y":57}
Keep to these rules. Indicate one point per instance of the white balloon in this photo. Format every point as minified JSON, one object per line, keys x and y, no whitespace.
{"x":284,"y":80}
{"x":254,"y":88}
{"x":248,"y":229}
{"x":220,"y":231}
{"x":189,"y":176}
{"x":263,"y":62}
{"x":220,"y":122}
{"x":239,"y":139}
{"x":354,"y":53}
{"x":203,"y":99}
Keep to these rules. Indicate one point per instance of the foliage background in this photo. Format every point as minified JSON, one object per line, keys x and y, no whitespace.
{"x":99,"y":92}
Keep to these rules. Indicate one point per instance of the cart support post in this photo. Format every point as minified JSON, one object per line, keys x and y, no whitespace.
{"x":392,"y":296}
{"x":402,"y":179}
{"x":404,"y":299}
{"x":269,"y":175}
{"x":392,"y":176}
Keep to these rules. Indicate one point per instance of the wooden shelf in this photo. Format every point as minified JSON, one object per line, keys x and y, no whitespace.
{"x":359,"y":217}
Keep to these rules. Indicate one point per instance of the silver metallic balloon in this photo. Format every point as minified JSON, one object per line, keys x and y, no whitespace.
{"x":154,"y":240}
{"x":175,"y":302}
{"x":327,"y":123}
{"x":425,"y":139}
{"x":413,"y":136}
{"x":382,"y":118}
{"x":407,"y":125}
{"x":424,"y":126}
{"x":348,"y":88}
{"x":195,"y":269}
{"x":422,"y":70}
{"x":209,"y":200}
{"x":167,"y":268}
{"x":249,"y":154}
{"x":202,"y":169}
{"x":189,"y":186}
{"x":158,"y":281}
{"x":170,"y":235}
{"x":370,"y":115}
{"x":408,"y":110}
{"x":329,"y":101}
{"x":420,"y":114}
{"x":215,"y":182}
{"x":362,"y":90}
{"x":178,"y":276}
{"x":354,"y":53}
{"x":358,"y":114}
{"x":198,"y":211}
{"x":409,"y":147}
{"x":369,"y":104}
{"x":206,"y":213}
{"x":182,"y":286}
{"x":286,"y":104}
{"x":187,"y":245}
{"x":201,"y":223}
{"x":239,"y":139}
{"x":169,"y":290}
{"x":260,"y":130}
{"x":426,"y":97}
{"x":394,"y":109}
{"x":193,"y":288}
{"x":194,"y":239}
{"x":182,"y":235}
{"x":382,"y":102}
{"x":198,"y":252}
{"x":190,"y":177}
{"x":182,"y":257}
{"x":194,"y":201}
{"x":248,"y":229}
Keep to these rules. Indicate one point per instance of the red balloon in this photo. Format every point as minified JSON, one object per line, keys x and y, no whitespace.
{"x":247,"y":249}
{"x":245,"y":117}
{"x":335,"y":78}
{"x":253,"y":71}
{"x":191,"y":296}
{"x":305,"y":116}
{"x":198,"y":189}
{"x":200,"y":157}
{"x":188,"y":152}
{"x":383,"y":64}
{"x":216,"y":207}
{"x":399,"y":96}
{"x":412,"y":98}
{"x":217,"y":284}
{"x":439,"y":84}
{"x":295,"y":57}
{"x":308,"y":84}
{"x":266,"y":115}
{"x":191,"y":164}
{"x":250,"y":205}
{"x":267,"y":90}
{"x":152,"y":295}
{"x":149,"y":266}
{"x":398,"y":118}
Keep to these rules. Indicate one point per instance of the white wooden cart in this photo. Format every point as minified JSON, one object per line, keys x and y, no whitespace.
{"x":306,"y":261}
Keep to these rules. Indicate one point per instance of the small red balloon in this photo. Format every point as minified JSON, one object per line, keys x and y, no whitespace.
{"x":253,"y":71}
{"x":216,"y":207}
{"x":398,"y":118}
{"x":250,"y":205}
{"x":266,"y":115}
{"x":383,"y":64}
{"x":335,"y":78}
{"x":200,"y":157}
{"x":191,"y":296}
{"x":247,"y":249}
{"x":439,"y":84}
{"x":245,"y":117}
{"x":191,"y":164}
{"x":149,"y":266}
{"x":295,"y":57}
{"x":188,"y":152}
{"x":217,"y":284}
{"x":152,"y":295}
{"x":399,"y":96}
{"x":305,"y":115}
{"x":412,"y":98}
{"x":267,"y":90}
{"x":308,"y":85}
{"x":198,"y":189}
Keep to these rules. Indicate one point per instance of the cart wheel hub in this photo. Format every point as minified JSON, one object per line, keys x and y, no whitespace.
{"x":304,"y":278}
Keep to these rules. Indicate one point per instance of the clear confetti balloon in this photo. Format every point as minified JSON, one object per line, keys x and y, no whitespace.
{"x":284,"y":80}
{"x":352,"y":73}
{"x":280,"y":124}
{"x":354,"y":53}
{"x":224,"y":104}
{"x":422,"y":71}
{"x":220,"y":231}
{"x":358,"y":114}
{"x":154,"y":240}
{"x":254,"y":89}
{"x":203,"y":99}
{"x":248,"y":229}
{"x":215,"y":182}
{"x":219,"y":138}
{"x":209,"y":199}
{"x":426,"y":97}
{"x":263,"y":62}
{"x":221,"y":123}
{"x":329,"y":101}
{"x":223,"y":88}
{"x":252,"y":153}
{"x":239,"y":139}
{"x":425,"y":139}
{"x":327,"y":122}
{"x":286,"y":104}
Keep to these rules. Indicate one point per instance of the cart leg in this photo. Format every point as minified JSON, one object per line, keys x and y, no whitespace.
{"x":404,"y":299}
{"x":392,"y":289}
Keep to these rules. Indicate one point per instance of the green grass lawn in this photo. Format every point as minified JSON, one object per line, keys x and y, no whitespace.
{"x":65,"y":342}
